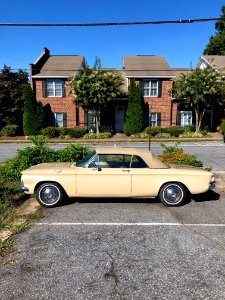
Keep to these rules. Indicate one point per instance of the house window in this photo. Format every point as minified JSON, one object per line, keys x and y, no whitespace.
{"x":155,"y":119}
{"x":54,"y":88}
{"x":60,"y":119}
{"x":150,"y":88}
{"x":185,"y":118}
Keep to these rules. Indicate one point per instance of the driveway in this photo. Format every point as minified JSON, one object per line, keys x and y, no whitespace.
{"x":115,"y":249}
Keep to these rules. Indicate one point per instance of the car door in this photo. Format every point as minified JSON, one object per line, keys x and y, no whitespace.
{"x":107,"y":175}
{"x":143,"y":178}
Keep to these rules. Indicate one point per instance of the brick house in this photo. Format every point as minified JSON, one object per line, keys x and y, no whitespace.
{"x":215,"y":114}
{"x":49,"y":79}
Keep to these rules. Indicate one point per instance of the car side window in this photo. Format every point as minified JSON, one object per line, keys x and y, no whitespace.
{"x":111,"y":161}
{"x":137,"y":162}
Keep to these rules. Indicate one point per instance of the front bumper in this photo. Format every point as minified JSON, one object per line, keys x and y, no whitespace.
{"x":24,"y":189}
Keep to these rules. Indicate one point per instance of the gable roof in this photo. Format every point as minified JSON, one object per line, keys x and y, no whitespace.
{"x":146,"y":66}
{"x":214,"y":60}
{"x":60,"y":66}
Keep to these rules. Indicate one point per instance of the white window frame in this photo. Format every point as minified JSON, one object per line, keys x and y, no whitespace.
{"x":52,"y":91}
{"x":57,"y":120}
{"x":154,"y":119}
{"x":186,"y":117}
{"x":148,"y":88}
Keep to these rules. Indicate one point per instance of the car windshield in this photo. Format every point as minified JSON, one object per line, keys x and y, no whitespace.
{"x":82,"y":162}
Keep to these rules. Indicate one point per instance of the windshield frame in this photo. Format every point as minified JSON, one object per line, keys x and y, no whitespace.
{"x":83,"y":163}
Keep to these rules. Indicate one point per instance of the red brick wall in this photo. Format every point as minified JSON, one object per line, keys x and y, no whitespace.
{"x":61,"y":105}
{"x":163,"y":104}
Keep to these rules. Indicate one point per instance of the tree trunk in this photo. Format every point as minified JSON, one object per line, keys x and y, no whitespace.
{"x":97,"y":120}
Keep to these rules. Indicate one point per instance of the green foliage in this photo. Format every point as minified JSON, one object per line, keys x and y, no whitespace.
{"x":39,"y":153}
{"x":9,"y":130}
{"x":200,"y":89}
{"x":72,"y":153}
{"x":216,"y":45}
{"x":95,"y":88}
{"x":173,"y":131}
{"x":101,"y":135}
{"x":189,"y":128}
{"x":222,"y":126}
{"x":153,"y":130}
{"x":134,"y":120}
{"x":175,"y":155}
{"x":12,"y":85}
{"x":50,"y":132}
{"x":33,"y":117}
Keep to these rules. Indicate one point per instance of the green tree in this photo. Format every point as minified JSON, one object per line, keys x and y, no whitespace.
{"x":216,"y":45}
{"x":12,"y":85}
{"x":200,"y":89}
{"x":134,"y":121}
{"x":33,"y":116}
{"x":95,"y":88}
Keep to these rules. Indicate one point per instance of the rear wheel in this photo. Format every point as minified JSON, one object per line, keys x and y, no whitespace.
{"x":49,"y":194}
{"x":172,"y":194}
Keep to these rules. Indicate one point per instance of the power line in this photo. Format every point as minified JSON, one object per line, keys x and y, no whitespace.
{"x":186,"y":21}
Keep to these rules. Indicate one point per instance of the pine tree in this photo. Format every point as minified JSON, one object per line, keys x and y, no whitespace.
{"x":134,"y":120}
{"x":33,"y":116}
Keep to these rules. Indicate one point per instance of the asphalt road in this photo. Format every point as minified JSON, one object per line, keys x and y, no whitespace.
{"x":114,"y":250}
{"x":212,"y":154}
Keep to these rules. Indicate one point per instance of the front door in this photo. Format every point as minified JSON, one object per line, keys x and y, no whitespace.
{"x":107,"y":175}
{"x":119,"y":118}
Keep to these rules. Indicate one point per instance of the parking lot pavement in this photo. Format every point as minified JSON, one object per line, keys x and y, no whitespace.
{"x":117,"y":249}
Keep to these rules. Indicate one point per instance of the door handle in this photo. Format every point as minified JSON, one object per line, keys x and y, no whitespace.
{"x":126,"y":171}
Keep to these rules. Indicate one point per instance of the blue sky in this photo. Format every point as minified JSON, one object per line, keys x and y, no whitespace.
{"x":180,"y":44}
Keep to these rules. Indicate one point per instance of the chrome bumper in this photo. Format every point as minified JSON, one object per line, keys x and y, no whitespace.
{"x":211,"y":186}
{"x":23,"y":188}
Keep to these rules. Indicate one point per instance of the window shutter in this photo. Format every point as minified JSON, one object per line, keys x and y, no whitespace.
{"x":63,"y":89}
{"x":64,"y":120}
{"x":44,"y":88}
{"x":158,"y":119}
{"x":178,"y":118}
{"x":159,"y":88}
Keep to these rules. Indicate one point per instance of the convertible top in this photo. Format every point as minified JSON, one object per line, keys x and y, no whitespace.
{"x":147,"y":156}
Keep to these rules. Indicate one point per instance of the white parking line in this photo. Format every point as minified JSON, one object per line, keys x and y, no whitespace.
{"x":129,"y":224}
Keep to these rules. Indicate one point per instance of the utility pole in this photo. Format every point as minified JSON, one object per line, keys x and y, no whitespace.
{"x":149,"y":126}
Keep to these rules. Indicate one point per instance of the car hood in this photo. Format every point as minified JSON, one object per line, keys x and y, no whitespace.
{"x":57,"y":167}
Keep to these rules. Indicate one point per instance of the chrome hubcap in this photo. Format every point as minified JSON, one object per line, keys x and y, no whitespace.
{"x":173,"y":194}
{"x":49,"y":194}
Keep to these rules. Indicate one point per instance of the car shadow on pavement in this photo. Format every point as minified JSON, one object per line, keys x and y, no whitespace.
{"x":110,"y":200}
{"x":208,"y":196}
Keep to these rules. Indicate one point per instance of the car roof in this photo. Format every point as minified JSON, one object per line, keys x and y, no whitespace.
{"x":147,"y":156}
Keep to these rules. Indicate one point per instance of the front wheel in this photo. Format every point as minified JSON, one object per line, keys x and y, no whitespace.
{"x":49,"y":194}
{"x":172,"y":194}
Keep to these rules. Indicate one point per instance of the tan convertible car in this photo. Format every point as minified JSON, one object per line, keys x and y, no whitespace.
{"x":115,"y":172}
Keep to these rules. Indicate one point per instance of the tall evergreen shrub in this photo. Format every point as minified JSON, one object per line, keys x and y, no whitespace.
{"x":134,"y":121}
{"x":33,"y":116}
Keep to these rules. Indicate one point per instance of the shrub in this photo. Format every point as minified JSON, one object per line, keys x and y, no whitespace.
{"x":101,"y":135}
{"x":72,"y":153}
{"x":189,"y":128}
{"x":222,"y":126}
{"x":173,"y":131}
{"x":153,"y":130}
{"x":9,"y":130}
{"x":140,"y":135}
{"x":163,"y":135}
{"x":50,"y":132}
{"x":77,"y":132}
{"x":175,"y":155}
